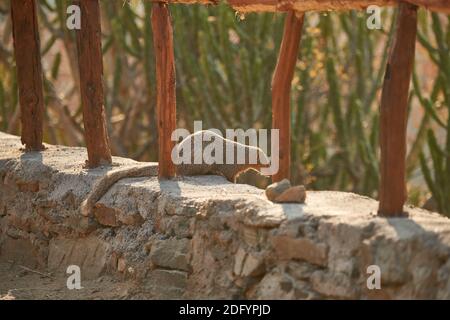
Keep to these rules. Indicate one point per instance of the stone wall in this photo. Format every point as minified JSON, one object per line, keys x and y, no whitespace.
{"x":203,"y":237}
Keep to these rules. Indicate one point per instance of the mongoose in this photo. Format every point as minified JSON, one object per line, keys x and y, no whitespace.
{"x":229,"y":169}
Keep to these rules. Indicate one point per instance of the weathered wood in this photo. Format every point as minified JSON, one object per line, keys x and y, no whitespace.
{"x":165,"y":82}
{"x":90,"y":62}
{"x":29,"y":72}
{"x":317,"y":5}
{"x":433,"y":5}
{"x":304,"y":5}
{"x":281,"y":90}
{"x":393,"y":117}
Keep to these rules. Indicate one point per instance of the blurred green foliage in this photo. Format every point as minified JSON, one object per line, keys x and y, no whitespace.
{"x":224,"y":66}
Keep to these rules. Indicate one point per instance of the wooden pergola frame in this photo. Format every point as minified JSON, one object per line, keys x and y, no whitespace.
{"x":394,"y":99}
{"x":316,"y":5}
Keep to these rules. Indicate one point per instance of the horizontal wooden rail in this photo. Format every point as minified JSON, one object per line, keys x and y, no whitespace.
{"x":317,"y":5}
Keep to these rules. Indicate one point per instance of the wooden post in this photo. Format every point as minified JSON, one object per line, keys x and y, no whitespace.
{"x":393,"y":118}
{"x":165,"y":81}
{"x":29,"y":72}
{"x":281,"y":88}
{"x":90,"y":62}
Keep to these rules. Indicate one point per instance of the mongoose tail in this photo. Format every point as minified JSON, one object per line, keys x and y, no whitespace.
{"x":111,"y":177}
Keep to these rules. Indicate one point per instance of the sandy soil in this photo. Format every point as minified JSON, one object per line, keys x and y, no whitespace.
{"x":18,"y":282}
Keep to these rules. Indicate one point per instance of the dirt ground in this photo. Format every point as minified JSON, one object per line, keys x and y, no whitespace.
{"x":21,"y":283}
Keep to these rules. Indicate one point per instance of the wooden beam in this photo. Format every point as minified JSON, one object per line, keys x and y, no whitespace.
{"x":317,"y":5}
{"x":433,"y":5}
{"x":29,"y":72}
{"x":304,"y":5}
{"x":393,"y":118}
{"x":165,"y":82}
{"x":281,"y":90}
{"x":90,"y":62}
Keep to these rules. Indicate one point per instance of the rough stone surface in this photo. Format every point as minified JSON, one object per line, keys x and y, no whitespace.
{"x":288,"y":248}
{"x":165,"y":284}
{"x":253,"y":178}
{"x":90,"y":254}
{"x":274,"y":190}
{"x":296,"y":194}
{"x":170,"y":254}
{"x":203,"y":237}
